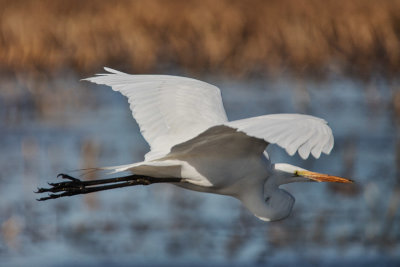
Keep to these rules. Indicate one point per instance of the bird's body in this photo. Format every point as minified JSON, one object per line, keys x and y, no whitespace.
{"x":190,"y":137}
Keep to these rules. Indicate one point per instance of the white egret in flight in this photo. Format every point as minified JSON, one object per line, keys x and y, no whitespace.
{"x":194,"y":146}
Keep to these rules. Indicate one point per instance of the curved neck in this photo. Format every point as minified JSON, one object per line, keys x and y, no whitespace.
{"x":253,"y":199}
{"x":266,"y":201}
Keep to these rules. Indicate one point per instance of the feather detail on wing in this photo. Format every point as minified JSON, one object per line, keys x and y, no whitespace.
{"x":168,"y":109}
{"x":293,"y":132}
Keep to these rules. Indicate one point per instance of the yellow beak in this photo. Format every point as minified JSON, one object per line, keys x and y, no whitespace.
{"x":320,"y":177}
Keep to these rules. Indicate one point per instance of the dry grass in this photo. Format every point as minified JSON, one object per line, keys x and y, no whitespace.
{"x":232,"y":36}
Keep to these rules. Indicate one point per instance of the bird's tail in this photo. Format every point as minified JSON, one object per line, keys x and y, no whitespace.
{"x":157,"y":169}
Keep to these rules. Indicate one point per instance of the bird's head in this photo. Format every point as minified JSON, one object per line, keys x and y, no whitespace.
{"x":286,"y":173}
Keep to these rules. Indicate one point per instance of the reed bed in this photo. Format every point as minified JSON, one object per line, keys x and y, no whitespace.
{"x":235,"y":37}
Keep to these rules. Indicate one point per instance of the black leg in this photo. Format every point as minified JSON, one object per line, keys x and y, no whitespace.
{"x":77,"y":187}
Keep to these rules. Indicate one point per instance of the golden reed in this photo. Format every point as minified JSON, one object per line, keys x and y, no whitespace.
{"x":231,"y":36}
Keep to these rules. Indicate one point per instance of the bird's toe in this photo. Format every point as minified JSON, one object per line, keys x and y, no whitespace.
{"x":68,"y":177}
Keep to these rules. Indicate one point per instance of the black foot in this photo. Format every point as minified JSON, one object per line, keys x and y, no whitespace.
{"x":74,"y":185}
{"x":66,"y":176}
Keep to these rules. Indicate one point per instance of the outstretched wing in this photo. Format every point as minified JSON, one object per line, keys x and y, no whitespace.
{"x":171,"y":110}
{"x":293,"y":132}
{"x":168,"y":109}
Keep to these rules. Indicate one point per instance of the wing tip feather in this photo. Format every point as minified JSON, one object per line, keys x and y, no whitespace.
{"x":101,"y":75}
{"x":110,"y":70}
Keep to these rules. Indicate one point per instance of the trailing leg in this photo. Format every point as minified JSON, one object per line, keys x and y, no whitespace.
{"x":77,"y":187}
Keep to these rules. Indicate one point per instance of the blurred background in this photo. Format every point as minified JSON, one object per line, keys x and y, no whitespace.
{"x":339,"y":60}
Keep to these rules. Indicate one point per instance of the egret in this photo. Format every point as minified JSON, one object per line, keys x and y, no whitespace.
{"x":194,"y":146}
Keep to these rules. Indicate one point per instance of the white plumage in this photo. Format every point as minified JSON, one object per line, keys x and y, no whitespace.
{"x":171,"y":110}
{"x":186,"y":126}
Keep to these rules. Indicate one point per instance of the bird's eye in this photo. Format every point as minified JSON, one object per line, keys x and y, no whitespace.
{"x":267,"y":199}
